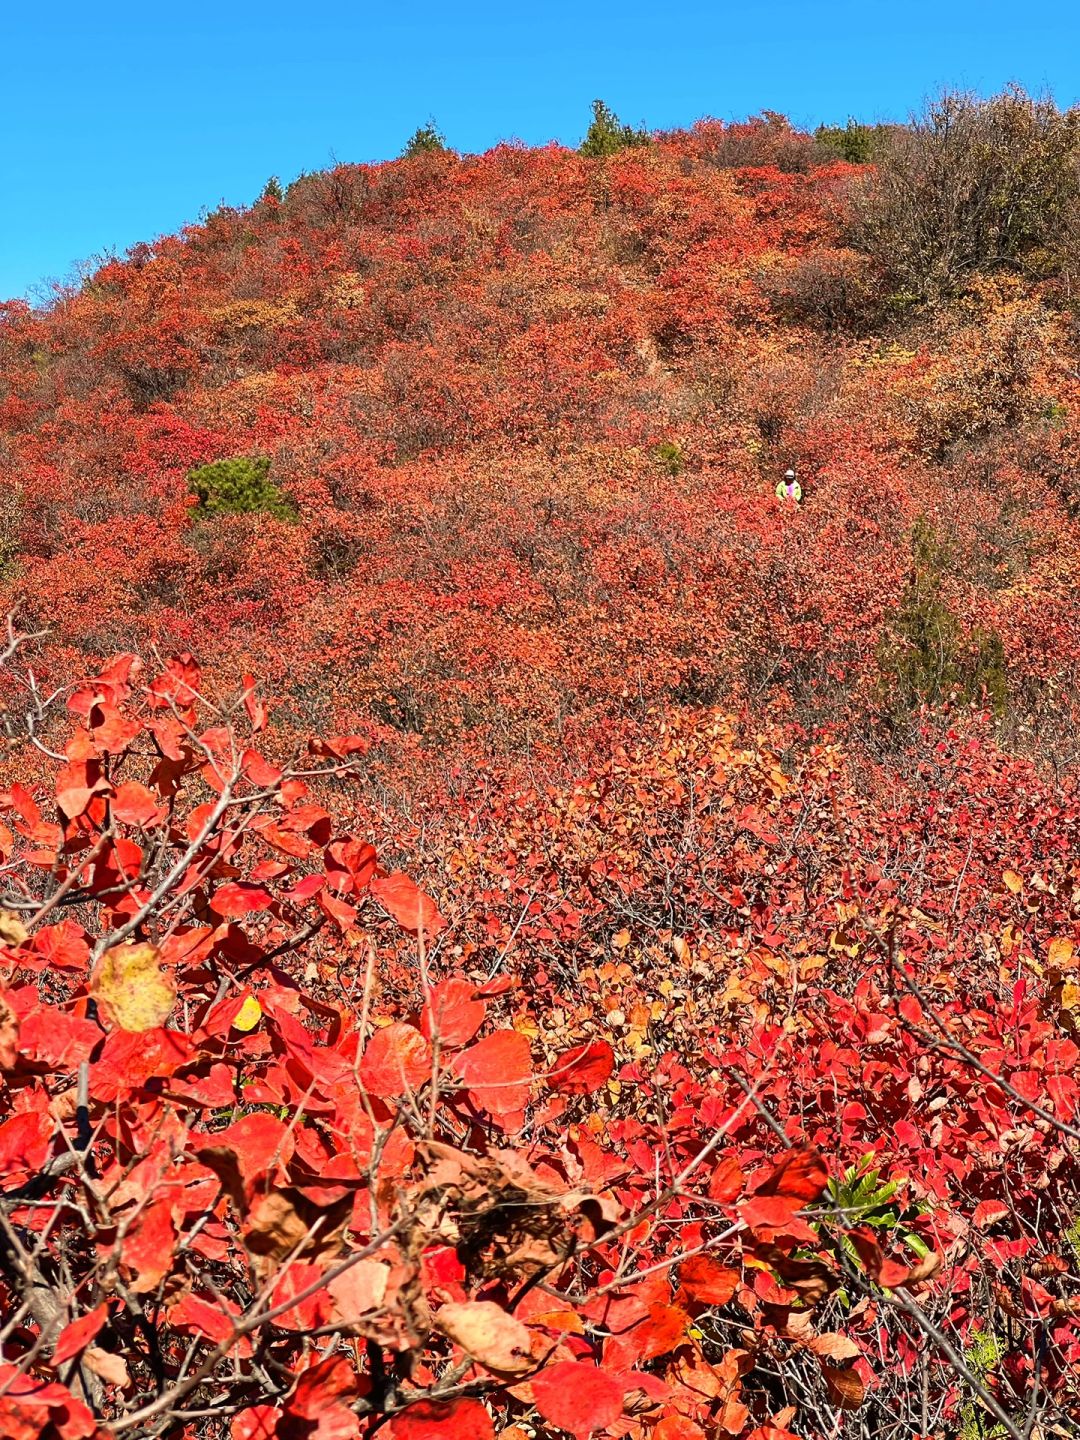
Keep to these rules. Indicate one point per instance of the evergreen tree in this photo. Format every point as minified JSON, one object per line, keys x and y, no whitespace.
{"x":426,"y":140}
{"x":241,"y":486}
{"x":607,"y":134}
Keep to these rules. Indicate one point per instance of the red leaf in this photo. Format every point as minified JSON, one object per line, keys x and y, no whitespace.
{"x":771,"y":1211}
{"x":453,"y":1013}
{"x":497,"y":1071}
{"x":340,"y":747}
{"x":450,"y":1420}
{"x":396,"y":1060}
{"x":32,"y":1408}
{"x":24,"y":1144}
{"x":582,"y":1070}
{"x":342,"y":915}
{"x":113,"y":731}
{"x":799,"y":1175}
{"x":409,"y":906}
{"x":706,"y":1281}
{"x":129,"y":1058}
{"x":258,"y":1423}
{"x":64,"y":946}
{"x":147,"y":1254}
{"x":238,"y":898}
{"x":248,"y":1151}
{"x":350,"y":864}
{"x":194,"y":1316}
{"x":134,"y":804}
{"x":49,"y":1037}
{"x":74,"y":1338}
{"x":321,"y":1386}
{"x":578,"y":1397}
{"x":988,"y":1212}
{"x":726,"y":1181}
{"x":308,"y":1314}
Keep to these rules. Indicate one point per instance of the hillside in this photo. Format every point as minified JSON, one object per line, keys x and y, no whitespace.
{"x":750,"y":826}
{"x":531,"y":409}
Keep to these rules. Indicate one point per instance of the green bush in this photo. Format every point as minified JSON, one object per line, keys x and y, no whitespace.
{"x":426,"y":140}
{"x":669,"y":453}
{"x":241,"y":486}
{"x":856,"y":143}
{"x":607,"y":134}
{"x":927,"y":658}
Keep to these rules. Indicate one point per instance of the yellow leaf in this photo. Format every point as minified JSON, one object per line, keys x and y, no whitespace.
{"x":131,"y":988}
{"x":1011,"y":937}
{"x":1062,"y":953}
{"x":621,"y":940}
{"x":12,"y":930}
{"x":1013,"y":881}
{"x":249,"y":1014}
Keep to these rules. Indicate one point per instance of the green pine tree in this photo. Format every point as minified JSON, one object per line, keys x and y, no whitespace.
{"x":426,"y":140}
{"x":241,"y":486}
{"x":607,"y":134}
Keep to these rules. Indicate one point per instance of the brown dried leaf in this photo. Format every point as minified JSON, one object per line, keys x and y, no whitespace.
{"x":845,"y":1385}
{"x":286,"y":1222}
{"x":109,"y":1367}
{"x":489,"y":1334}
{"x":359,"y":1291}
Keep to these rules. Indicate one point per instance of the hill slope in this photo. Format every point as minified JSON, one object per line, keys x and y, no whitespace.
{"x":531,"y":408}
{"x":723,"y":1082}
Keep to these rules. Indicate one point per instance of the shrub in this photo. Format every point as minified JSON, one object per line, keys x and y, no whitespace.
{"x":831,"y":290}
{"x":973,"y":185}
{"x":856,"y":143}
{"x":766,"y":140}
{"x":426,"y":140}
{"x":928,"y":659}
{"x":241,"y":486}
{"x":607,"y":134}
{"x":669,"y":453}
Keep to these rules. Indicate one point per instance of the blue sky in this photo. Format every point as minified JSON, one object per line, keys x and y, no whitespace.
{"x":119,"y":122}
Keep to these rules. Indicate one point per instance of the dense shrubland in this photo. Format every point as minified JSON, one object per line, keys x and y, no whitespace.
{"x":715,"y":1075}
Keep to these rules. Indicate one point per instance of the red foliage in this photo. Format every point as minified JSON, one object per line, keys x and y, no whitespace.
{"x":717,"y":1074}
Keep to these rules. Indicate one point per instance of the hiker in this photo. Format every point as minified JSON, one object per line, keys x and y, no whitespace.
{"x":789,"y":488}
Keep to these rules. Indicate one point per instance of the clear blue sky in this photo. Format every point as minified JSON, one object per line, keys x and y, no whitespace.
{"x":121,"y":121}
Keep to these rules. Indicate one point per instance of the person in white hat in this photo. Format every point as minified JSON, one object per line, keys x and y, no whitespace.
{"x":789,"y":488}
